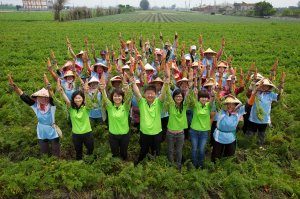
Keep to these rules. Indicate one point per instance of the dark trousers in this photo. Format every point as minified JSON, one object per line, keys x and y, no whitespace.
{"x":45,"y":146}
{"x":85,"y":139}
{"x":212,"y":130}
{"x":260,"y":128}
{"x":164,"y":126}
{"x":151,"y":142}
{"x":222,"y":150}
{"x":119,"y":145}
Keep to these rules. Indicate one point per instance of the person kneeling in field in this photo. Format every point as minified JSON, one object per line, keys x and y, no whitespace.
{"x":42,"y":104}
{"x":150,"y":122}
{"x":118,"y":107}
{"x":79,"y":109}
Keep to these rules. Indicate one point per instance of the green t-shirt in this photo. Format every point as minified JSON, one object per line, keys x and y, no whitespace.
{"x":80,"y":120}
{"x":118,"y":118}
{"x":177,"y":120}
{"x":150,"y":121}
{"x":201,"y":117}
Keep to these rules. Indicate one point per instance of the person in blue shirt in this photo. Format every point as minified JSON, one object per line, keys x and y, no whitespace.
{"x":259,"y":117}
{"x":224,"y":144}
{"x":96,"y":114}
{"x":42,"y":104}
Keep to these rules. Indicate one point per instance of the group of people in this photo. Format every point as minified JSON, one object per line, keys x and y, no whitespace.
{"x":164,"y":97}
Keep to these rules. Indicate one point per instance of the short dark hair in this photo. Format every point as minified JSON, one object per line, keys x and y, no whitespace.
{"x":117,"y":91}
{"x":73,"y":105}
{"x":150,"y":88}
{"x":203,"y":93}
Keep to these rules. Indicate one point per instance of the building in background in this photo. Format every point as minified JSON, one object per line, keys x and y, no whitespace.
{"x":37,"y":5}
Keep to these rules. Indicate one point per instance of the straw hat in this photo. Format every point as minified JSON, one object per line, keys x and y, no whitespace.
{"x":116,"y":79}
{"x":209,"y":50}
{"x":93,"y":79}
{"x":158,"y":79}
{"x":149,"y":67}
{"x":128,"y":42}
{"x":41,"y":93}
{"x":167,"y":43}
{"x":258,"y":76}
{"x":230,"y":99}
{"x":67,"y":64}
{"x":125,"y":67}
{"x":195,"y":64}
{"x":99,"y":64}
{"x":182,"y":80}
{"x":80,"y":53}
{"x":128,"y":62}
{"x":222,"y":64}
{"x":69,"y":73}
{"x":209,"y":82}
{"x":266,"y":82}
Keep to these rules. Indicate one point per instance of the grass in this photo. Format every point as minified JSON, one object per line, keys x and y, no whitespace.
{"x":27,"y":40}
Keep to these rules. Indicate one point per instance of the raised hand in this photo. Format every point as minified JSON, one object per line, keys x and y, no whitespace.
{"x":49,"y":67}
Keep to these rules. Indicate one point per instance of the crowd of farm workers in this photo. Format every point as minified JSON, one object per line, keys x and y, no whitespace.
{"x":166,"y":92}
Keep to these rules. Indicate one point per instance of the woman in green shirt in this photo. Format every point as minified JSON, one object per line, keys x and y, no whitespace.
{"x":200,"y":125}
{"x":79,"y":109}
{"x":118,"y":107}
{"x":176,"y":125}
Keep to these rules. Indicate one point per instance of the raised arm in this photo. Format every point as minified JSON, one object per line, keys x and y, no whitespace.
{"x":221,"y":50}
{"x":135,"y":89}
{"x":70,"y":48}
{"x":53,"y":74}
{"x":94,"y":53}
{"x":63,"y":94}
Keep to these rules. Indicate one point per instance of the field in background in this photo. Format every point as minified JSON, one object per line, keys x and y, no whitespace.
{"x":27,"y":40}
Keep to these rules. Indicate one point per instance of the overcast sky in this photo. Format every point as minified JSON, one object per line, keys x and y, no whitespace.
{"x":179,"y":3}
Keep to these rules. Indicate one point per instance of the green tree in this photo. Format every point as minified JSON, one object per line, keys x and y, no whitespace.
{"x":144,"y":4}
{"x":264,"y":9}
{"x":57,"y":8}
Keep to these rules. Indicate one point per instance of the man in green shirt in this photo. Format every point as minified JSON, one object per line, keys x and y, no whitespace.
{"x":150,"y":122}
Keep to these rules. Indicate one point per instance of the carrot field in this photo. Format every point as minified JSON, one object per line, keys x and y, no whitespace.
{"x":27,"y":40}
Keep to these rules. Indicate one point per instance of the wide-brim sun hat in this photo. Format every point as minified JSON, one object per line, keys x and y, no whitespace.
{"x":266,"y":82}
{"x":158,"y":79}
{"x":149,"y":67}
{"x":80,"y":53}
{"x":230,"y":99}
{"x":99,"y":64}
{"x":93,"y":79}
{"x":209,"y":82}
{"x":67,"y":64}
{"x":41,"y":93}
{"x":69,"y":73}
{"x":182,"y":80}
{"x":222,"y":64}
{"x":209,"y":51}
{"x":258,"y":76}
{"x":116,"y":79}
{"x":125,"y":67}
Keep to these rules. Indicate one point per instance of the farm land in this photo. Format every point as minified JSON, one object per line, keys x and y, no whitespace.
{"x":27,"y":40}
